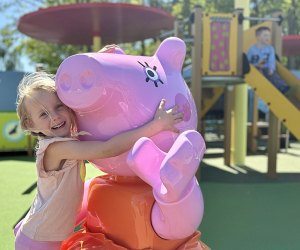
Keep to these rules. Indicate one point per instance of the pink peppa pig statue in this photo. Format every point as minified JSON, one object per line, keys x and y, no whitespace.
{"x":149,"y":197}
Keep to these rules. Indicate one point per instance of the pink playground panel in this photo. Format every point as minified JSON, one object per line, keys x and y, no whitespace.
{"x":219,"y":52}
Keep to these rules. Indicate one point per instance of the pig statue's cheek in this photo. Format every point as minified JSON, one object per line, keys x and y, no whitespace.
{"x":183,"y":106}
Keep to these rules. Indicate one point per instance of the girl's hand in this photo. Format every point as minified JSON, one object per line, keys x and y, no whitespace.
{"x":109,"y":48}
{"x":166,"y":119}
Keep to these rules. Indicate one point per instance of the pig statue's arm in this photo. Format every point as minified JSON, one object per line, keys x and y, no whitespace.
{"x":178,"y":207}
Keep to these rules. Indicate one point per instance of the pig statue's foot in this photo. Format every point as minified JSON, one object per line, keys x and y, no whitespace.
{"x":145,"y":159}
{"x":180,"y":165}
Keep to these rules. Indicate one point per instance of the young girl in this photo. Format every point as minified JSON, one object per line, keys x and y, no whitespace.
{"x":59,"y":159}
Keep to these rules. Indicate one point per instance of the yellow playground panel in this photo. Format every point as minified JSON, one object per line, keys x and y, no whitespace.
{"x":220,"y":53}
{"x":12,"y":138}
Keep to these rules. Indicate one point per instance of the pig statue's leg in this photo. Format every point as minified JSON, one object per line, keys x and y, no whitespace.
{"x":178,"y":209}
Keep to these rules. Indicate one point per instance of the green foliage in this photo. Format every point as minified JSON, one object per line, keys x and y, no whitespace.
{"x":50,"y":55}
{"x":290,"y":10}
{"x":8,"y":53}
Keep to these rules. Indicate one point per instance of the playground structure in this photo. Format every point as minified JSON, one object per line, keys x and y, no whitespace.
{"x":219,"y":63}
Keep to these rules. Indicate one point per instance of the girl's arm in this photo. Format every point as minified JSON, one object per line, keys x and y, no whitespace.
{"x":89,"y":150}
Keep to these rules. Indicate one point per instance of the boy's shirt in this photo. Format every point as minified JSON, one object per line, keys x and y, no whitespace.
{"x":263,"y":56}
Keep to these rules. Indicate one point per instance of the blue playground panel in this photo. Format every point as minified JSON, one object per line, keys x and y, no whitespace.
{"x":8,"y":85}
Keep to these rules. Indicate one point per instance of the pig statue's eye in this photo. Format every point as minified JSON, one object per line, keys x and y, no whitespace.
{"x":64,"y":82}
{"x":151,"y":74}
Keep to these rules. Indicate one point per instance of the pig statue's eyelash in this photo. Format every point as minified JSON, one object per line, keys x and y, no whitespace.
{"x":151,"y":74}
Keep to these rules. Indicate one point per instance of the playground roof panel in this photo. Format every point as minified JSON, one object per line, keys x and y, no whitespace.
{"x":291,"y":45}
{"x":79,"y":23}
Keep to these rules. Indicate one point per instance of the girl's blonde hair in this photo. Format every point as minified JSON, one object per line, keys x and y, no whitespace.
{"x":30,"y":83}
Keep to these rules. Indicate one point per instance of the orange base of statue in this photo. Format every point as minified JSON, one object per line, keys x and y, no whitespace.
{"x":119,"y":218}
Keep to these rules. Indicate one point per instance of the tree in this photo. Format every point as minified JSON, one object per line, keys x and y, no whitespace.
{"x":7,"y":52}
{"x":50,"y":55}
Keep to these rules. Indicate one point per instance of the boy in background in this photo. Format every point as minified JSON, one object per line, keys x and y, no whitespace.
{"x":262,"y":56}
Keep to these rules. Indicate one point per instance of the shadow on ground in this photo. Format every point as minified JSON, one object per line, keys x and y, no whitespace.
{"x":209,"y":173}
{"x":16,"y":156}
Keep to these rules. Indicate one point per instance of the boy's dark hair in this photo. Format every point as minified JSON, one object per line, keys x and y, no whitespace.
{"x":261,"y":29}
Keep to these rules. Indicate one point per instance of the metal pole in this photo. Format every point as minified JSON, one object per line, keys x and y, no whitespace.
{"x":240,"y":108}
{"x":96,"y":43}
{"x":270,"y":19}
{"x":274,"y":123}
{"x":228,"y":126}
{"x":196,"y":85}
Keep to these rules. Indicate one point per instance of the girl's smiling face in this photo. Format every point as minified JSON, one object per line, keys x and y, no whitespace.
{"x":48,"y":115}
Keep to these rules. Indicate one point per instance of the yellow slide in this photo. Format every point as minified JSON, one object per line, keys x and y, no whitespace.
{"x":285,"y":111}
{"x":289,"y":78}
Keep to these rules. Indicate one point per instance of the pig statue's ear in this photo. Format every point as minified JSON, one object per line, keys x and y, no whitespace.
{"x":172,"y":52}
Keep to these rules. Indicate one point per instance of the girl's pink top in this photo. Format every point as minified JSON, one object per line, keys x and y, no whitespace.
{"x":59,"y":196}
